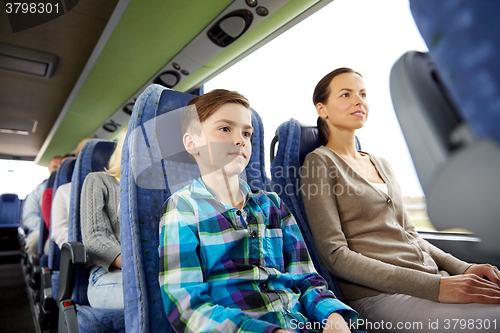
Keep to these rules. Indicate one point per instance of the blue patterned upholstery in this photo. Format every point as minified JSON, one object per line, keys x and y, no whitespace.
{"x":295,"y":142}
{"x":9,"y":211}
{"x":141,"y":205}
{"x":44,"y":232}
{"x":465,"y":47}
{"x":93,"y":157}
{"x":10,"y":216}
{"x":64,"y":174}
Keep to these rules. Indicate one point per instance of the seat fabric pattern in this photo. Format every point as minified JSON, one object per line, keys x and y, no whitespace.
{"x":295,"y":142}
{"x":45,"y":206}
{"x":64,"y":174}
{"x":465,"y":48}
{"x":141,"y":207}
{"x":93,"y":157}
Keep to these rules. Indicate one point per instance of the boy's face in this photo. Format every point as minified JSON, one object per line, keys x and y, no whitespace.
{"x":225,"y":140}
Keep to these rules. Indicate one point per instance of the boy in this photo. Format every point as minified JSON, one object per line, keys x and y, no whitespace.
{"x":232,"y":259}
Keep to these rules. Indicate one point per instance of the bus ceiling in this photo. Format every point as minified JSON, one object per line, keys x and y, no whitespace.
{"x":107,"y":52}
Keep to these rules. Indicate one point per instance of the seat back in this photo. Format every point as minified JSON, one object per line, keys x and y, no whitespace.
{"x":432,"y":126}
{"x":64,"y":175}
{"x":45,"y":206}
{"x":154,"y":165}
{"x":9,"y":210}
{"x":444,"y":148}
{"x":94,"y":156}
{"x":465,"y":48}
{"x":295,"y":141}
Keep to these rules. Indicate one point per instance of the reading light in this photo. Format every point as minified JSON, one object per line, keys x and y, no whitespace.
{"x":168,"y":79}
{"x":26,"y":61}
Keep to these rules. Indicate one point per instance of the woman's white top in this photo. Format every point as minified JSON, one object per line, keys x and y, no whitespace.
{"x":382,"y":187}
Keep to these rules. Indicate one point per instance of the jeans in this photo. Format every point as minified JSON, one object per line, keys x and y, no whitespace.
{"x":105,"y":289}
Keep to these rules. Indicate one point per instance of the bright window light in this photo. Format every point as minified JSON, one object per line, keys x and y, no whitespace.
{"x":366,"y":35}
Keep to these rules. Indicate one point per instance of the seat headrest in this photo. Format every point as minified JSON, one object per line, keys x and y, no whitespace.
{"x":101,"y":154}
{"x":52,"y":179}
{"x":309,"y":140}
{"x":68,"y":168}
{"x":158,"y":150}
{"x":9,"y":197}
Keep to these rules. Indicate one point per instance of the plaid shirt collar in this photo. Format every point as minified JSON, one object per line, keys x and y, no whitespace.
{"x":200,"y":191}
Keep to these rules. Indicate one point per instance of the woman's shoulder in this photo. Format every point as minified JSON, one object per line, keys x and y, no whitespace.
{"x":322,"y":154}
{"x":380,"y":160}
{"x":101,"y":178}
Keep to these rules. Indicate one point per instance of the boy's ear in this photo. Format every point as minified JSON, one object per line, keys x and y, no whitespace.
{"x":320,"y":108}
{"x":189,"y":144}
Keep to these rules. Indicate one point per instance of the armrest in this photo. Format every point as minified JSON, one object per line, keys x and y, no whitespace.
{"x":71,"y":254}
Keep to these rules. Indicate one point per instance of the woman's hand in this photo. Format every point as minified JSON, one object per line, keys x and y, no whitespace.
{"x":336,"y":323}
{"x":485,"y":271}
{"x":468,"y":288}
{"x":118,"y":261}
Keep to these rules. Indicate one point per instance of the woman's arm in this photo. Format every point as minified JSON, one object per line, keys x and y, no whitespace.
{"x":101,"y":244}
{"x":340,"y":260}
{"x":445,"y":261}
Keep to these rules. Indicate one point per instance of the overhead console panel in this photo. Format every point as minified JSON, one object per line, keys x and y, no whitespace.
{"x":240,"y":17}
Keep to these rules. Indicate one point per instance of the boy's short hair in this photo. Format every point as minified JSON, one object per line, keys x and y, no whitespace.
{"x":202,"y":107}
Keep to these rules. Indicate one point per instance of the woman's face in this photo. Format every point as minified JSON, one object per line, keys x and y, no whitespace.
{"x":346,"y":107}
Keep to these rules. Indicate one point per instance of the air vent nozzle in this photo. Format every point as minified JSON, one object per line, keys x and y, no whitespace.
{"x":230,"y":27}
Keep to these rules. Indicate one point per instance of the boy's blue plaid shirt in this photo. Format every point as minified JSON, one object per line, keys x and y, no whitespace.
{"x":220,"y":272}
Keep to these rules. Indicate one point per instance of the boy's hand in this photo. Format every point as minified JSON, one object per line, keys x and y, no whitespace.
{"x":337,"y":324}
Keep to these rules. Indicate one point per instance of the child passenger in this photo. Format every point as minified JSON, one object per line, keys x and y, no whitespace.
{"x":233,"y":259}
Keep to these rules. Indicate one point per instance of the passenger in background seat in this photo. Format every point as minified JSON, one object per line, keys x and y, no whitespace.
{"x":60,"y":207}
{"x":46,"y":206}
{"x":101,"y":232}
{"x":32,"y":211}
{"x":366,"y":238}
{"x":233,"y":259}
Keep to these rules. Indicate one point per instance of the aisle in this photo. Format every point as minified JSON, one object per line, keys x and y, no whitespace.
{"x":15,"y":311}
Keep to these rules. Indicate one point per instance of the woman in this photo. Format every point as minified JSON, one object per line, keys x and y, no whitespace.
{"x":365,"y":237}
{"x":101,"y":232}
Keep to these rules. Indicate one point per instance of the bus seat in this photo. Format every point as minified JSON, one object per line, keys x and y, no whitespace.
{"x":45,"y":207}
{"x":49,"y":279}
{"x":457,"y":168}
{"x":295,"y":141}
{"x":465,"y":49}
{"x":40,"y":259}
{"x":154,"y":165}
{"x":75,"y":313}
{"x":9,"y":211}
{"x":10,"y":216}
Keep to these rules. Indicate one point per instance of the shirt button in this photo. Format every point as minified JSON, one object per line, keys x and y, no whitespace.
{"x":238,"y":213}
{"x":263,"y":286}
{"x":254,"y":234}
{"x":394,"y":223}
{"x":410,"y":242}
{"x":389,"y":201}
{"x":424,"y":264}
